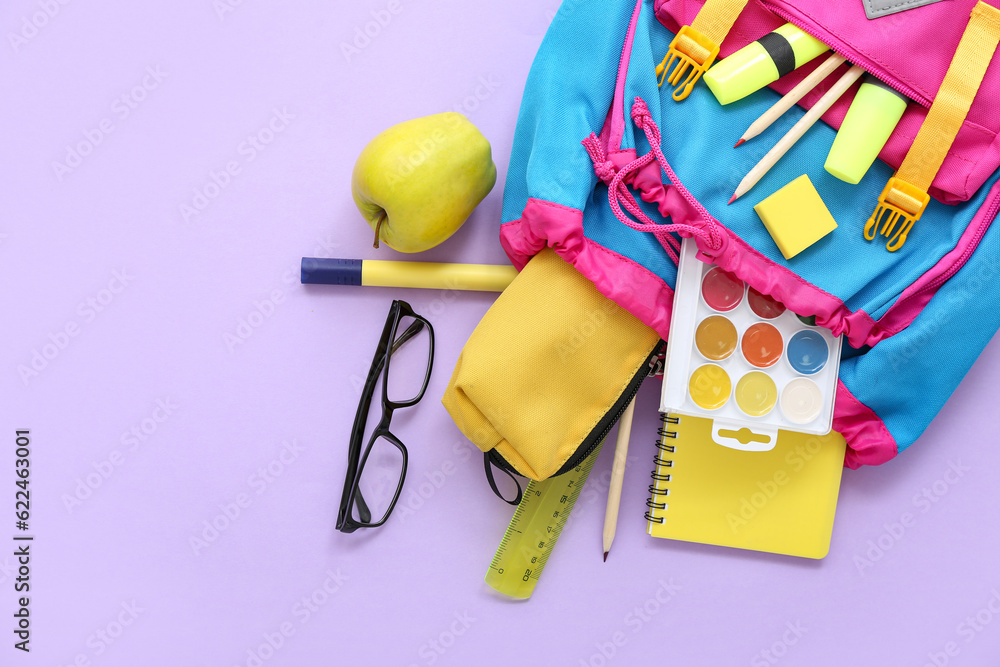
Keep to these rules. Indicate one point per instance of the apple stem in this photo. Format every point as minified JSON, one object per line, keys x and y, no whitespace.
{"x":378,"y":228}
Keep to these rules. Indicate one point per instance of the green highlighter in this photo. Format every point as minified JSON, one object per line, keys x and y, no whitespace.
{"x":762,"y":62}
{"x":873,"y":116}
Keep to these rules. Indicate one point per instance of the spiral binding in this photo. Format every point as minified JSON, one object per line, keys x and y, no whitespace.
{"x":663,"y":448}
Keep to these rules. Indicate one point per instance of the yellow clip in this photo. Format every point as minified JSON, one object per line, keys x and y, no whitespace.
{"x":694,"y":53}
{"x":899,"y":199}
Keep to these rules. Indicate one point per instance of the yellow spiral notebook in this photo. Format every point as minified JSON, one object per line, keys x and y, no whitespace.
{"x":780,"y":501}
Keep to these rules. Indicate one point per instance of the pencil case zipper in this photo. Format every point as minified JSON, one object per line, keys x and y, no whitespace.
{"x":604,"y":425}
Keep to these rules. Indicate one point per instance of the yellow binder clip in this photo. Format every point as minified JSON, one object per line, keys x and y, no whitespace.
{"x":694,"y":53}
{"x":899,"y":201}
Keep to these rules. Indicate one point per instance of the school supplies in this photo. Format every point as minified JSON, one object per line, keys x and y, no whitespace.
{"x":617,"y":477}
{"x":903,"y":314}
{"x":788,"y":100}
{"x":743,"y":359}
{"x":781,"y":501}
{"x":537,"y":523}
{"x":430,"y":275}
{"x":873,"y":116}
{"x":906,"y":195}
{"x":794,"y":134}
{"x":796,"y":216}
{"x":548,"y":371}
{"x":762,"y":62}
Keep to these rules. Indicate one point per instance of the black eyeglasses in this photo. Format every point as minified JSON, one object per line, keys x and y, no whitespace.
{"x":375,"y":474}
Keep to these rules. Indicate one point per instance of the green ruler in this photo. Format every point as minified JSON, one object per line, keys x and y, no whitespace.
{"x":533,"y":531}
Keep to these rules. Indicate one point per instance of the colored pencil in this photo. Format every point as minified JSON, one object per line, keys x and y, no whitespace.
{"x":792,"y":96}
{"x":617,"y":477}
{"x":797,"y":131}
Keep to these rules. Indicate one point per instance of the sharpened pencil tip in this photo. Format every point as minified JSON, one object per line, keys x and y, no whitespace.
{"x":731,"y":200}
{"x":739,"y":142}
{"x":605,"y":556}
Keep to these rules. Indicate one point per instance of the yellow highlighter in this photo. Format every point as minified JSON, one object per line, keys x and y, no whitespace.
{"x":427,"y":275}
{"x":873,"y":116}
{"x":762,"y":62}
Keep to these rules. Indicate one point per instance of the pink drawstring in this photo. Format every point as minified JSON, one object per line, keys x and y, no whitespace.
{"x":619,"y":194}
{"x":603,"y":167}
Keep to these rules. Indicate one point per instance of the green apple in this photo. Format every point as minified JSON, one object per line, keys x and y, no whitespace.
{"x":417,"y":182}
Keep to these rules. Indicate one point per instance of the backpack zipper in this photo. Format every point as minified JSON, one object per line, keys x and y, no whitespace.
{"x":604,"y":426}
{"x":991,"y":214}
{"x":853,"y":57}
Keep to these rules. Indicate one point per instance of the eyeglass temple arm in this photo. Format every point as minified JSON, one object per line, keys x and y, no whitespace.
{"x":410,"y":332}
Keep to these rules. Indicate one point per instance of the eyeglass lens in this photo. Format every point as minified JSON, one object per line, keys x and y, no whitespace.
{"x":408,"y":360}
{"x":379,"y":479}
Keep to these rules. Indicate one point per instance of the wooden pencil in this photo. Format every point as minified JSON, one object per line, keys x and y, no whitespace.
{"x":792,"y":96}
{"x":617,"y":477}
{"x":797,"y":131}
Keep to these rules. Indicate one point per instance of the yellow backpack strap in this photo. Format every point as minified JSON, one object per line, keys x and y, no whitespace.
{"x":905,"y":197}
{"x":696,"y":46}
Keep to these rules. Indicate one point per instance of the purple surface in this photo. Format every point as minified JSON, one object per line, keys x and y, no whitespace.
{"x":173,"y":399}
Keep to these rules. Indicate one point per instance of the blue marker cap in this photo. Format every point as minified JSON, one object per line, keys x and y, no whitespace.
{"x":322,"y":271}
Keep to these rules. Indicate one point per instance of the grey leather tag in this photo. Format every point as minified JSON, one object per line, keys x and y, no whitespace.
{"x":877,"y":8}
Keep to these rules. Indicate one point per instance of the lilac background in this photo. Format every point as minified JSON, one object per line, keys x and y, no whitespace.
{"x":173,"y":293}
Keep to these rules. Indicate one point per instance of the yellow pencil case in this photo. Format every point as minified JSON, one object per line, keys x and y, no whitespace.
{"x":548,"y":371}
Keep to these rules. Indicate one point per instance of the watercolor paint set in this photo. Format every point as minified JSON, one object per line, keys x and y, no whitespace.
{"x":744,"y":360}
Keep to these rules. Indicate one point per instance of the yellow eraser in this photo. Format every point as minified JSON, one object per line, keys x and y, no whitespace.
{"x":796,"y":216}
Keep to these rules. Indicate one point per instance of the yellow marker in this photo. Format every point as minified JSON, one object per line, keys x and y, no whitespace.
{"x":429,"y":275}
{"x":873,"y":116}
{"x":762,"y":62}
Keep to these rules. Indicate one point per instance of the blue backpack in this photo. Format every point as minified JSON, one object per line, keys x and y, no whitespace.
{"x":610,"y":171}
